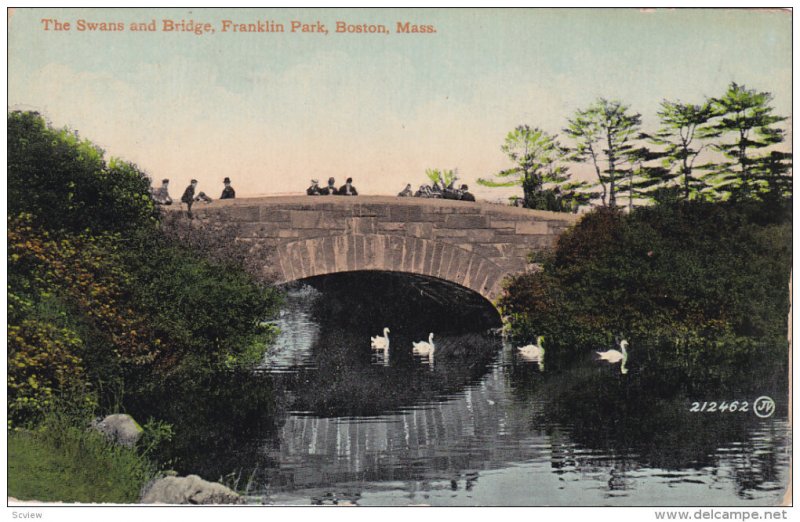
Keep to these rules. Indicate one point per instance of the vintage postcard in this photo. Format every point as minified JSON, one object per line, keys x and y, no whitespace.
{"x":400,"y":257}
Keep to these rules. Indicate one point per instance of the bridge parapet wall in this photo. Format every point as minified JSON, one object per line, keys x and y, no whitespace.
{"x":318,"y":235}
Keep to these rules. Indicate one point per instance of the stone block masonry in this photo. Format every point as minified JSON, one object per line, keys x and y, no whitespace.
{"x":475,"y":245}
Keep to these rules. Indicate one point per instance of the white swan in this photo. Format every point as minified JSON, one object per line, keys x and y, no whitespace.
{"x":381,"y":343}
{"x":533,"y":352}
{"x":615,"y":356}
{"x":425,"y":348}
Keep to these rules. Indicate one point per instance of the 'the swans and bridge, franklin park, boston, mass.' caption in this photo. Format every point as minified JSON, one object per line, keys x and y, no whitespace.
{"x":228,"y":26}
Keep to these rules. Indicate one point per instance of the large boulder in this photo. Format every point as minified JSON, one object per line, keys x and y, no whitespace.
{"x":120,"y":428}
{"x":189,"y":490}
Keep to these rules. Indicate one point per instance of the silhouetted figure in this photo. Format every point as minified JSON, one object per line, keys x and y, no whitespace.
{"x":203,"y":197}
{"x":423,"y":192}
{"x":406,"y":192}
{"x":466,"y":195}
{"x":161,"y":194}
{"x":348,"y":189}
{"x":188,"y":197}
{"x":227,"y":192}
{"x":314,"y":189}
{"x":330,"y":190}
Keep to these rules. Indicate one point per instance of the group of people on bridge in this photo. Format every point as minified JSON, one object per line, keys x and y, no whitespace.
{"x":345,"y":190}
{"x":461,"y":193}
{"x":161,"y":194}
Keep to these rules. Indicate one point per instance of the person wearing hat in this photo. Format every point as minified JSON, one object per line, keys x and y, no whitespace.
{"x":161,"y":194}
{"x":314,"y":189}
{"x":348,"y":189}
{"x":330,"y":190}
{"x":227,"y":192}
{"x":406,"y":192}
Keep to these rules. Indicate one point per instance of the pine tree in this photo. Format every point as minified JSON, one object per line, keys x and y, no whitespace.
{"x":683,"y":126}
{"x":603,"y":135}
{"x":539,"y":160}
{"x":745,"y":123}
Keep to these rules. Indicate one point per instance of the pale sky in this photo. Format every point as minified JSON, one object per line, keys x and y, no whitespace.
{"x":273,"y":110}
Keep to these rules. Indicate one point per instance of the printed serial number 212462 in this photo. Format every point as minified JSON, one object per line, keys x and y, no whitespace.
{"x":724,"y":406}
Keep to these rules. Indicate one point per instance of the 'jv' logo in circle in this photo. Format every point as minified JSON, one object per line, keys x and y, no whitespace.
{"x":764,"y":407}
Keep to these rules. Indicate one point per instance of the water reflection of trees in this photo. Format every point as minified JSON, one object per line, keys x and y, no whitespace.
{"x":633,"y":426}
{"x":220,"y":421}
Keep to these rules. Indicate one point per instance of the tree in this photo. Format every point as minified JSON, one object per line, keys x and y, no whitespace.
{"x":645,"y":181}
{"x":682,"y":125}
{"x":539,"y":160}
{"x":744,"y":118}
{"x":443,"y":177}
{"x":603,"y":133}
{"x":65,"y":183}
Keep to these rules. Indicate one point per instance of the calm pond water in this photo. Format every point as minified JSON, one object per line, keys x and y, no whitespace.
{"x":478,"y":425}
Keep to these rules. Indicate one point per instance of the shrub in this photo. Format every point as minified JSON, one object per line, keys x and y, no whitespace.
{"x":700,"y":282}
{"x":65,"y":183}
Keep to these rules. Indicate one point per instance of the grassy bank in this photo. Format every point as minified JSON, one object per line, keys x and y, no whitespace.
{"x":60,"y":462}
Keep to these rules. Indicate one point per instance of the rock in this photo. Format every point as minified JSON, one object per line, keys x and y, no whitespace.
{"x":120,"y":428}
{"x":189,"y":490}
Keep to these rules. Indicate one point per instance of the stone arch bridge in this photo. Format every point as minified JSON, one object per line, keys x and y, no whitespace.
{"x":474,"y":245}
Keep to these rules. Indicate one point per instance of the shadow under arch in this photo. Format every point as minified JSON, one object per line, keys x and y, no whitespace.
{"x":311,"y":257}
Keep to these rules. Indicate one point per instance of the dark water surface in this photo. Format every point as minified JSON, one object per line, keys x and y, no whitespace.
{"x":478,"y":425}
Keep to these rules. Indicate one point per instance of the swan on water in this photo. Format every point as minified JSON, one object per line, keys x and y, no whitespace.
{"x":424,"y":348}
{"x":615,"y":356}
{"x":381,"y":343}
{"x":533,"y":351}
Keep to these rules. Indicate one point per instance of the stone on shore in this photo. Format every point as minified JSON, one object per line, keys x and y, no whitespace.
{"x":189,"y":490}
{"x":120,"y":428}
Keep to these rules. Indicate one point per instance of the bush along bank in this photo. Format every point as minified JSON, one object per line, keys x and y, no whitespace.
{"x":699,"y":289}
{"x":103,"y":304}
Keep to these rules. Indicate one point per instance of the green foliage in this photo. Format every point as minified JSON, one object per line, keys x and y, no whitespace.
{"x":65,"y":461}
{"x":99,"y":294}
{"x":682,"y":126}
{"x":539,"y":160}
{"x":65,"y":184}
{"x":444,"y":177}
{"x":745,"y":124}
{"x":205,"y":313}
{"x":604,"y":134}
{"x":68,"y":322}
{"x":702,"y":284}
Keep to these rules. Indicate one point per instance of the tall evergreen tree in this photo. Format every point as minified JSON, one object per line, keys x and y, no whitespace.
{"x":604,"y":134}
{"x":539,"y":160}
{"x":683,"y":126}
{"x":747,"y":127}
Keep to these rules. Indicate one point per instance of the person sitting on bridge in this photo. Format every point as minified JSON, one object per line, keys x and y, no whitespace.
{"x":314,"y":189}
{"x":465,"y":194}
{"x":161,"y":194}
{"x":423,"y":192}
{"x":406,"y":192}
{"x":348,"y":189}
{"x":227,"y":192}
{"x":330,"y":190}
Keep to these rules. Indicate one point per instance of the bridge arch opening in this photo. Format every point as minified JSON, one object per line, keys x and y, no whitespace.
{"x":407,"y":303}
